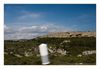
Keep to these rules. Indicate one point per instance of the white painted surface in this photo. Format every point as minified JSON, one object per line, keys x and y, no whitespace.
{"x":43,"y":49}
{"x":44,"y":53}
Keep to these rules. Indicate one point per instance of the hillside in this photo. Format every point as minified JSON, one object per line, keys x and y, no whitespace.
{"x":62,"y":51}
{"x":70,"y":34}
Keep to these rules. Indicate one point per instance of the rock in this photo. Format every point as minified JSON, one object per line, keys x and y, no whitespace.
{"x":27,"y":54}
{"x":79,"y":55}
{"x":88,"y":52}
{"x":17,"y":55}
{"x":80,"y":63}
{"x":57,"y":51}
{"x":61,"y":51}
{"x":51,"y":51}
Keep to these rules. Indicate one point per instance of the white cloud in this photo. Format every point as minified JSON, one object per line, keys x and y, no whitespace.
{"x":31,"y":31}
{"x":24,"y":32}
{"x":29,"y":15}
{"x":6,"y":27}
{"x":16,"y":36}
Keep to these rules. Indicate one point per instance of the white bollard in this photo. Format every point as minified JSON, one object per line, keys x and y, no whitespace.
{"x":44,"y":53}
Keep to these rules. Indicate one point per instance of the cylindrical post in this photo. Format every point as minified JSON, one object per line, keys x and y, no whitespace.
{"x":44,"y":53}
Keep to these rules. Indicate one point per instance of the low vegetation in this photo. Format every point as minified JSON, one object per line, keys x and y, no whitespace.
{"x":25,"y":52}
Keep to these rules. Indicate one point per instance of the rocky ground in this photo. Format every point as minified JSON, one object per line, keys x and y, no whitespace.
{"x":62,"y":51}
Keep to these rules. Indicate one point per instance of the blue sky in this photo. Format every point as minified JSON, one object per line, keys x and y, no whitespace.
{"x":36,"y":19}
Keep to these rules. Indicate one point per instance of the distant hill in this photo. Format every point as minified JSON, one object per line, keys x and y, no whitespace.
{"x":70,"y":34}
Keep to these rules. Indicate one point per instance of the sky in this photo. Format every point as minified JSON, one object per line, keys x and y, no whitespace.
{"x":27,"y":21}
